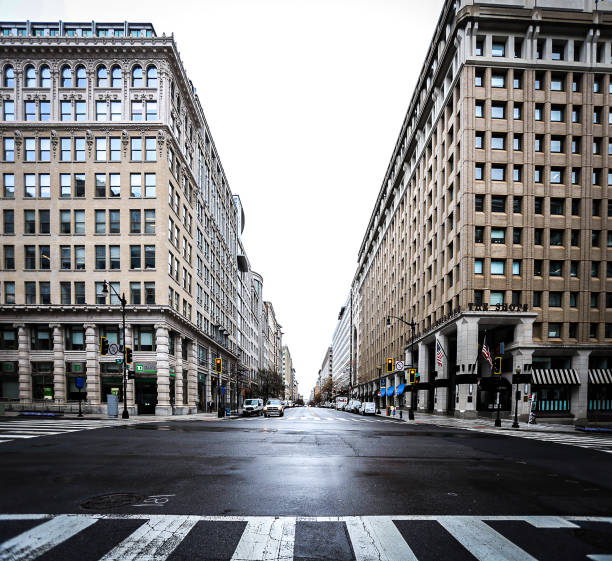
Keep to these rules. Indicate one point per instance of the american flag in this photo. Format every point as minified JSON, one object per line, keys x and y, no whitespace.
{"x":486,"y":353}
{"x":439,"y":353}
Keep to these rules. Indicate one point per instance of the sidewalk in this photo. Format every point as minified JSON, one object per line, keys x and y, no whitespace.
{"x":421,"y":417}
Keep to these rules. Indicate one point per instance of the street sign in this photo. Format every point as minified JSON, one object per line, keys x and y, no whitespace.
{"x":139,"y":367}
{"x":399,"y":365}
{"x":119,"y":361}
{"x":113,"y":349}
{"x":383,"y":382}
{"x":79,"y":382}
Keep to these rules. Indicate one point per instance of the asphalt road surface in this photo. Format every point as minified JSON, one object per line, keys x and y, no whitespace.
{"x":316,"y":484}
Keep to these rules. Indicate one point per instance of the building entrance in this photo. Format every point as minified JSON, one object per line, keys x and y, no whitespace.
{"x":146,"y":395}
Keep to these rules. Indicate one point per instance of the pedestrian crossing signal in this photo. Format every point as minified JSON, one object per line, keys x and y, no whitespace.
{"x":103,"y":346}
{"x":389,"y":365}
{"x":412,"y":373}
{"x":218,"y":365}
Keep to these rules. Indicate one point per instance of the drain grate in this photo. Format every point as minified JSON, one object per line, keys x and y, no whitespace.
{"x":112,"y":500}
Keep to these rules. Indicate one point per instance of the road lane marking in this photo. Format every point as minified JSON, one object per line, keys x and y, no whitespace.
{"x":155,"y":540}
{"x":482,"y":541}
{"x":377,"y":539}
{"x":267,"y":539}
{"x":42,"y":538}
{"x":550,"y":522}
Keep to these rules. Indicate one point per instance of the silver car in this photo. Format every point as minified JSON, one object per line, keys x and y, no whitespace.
{"x":273,"y":407}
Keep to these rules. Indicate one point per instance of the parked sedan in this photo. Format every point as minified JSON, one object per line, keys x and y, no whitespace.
{"x":368,"y":408}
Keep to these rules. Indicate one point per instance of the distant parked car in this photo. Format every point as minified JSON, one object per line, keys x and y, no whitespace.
{"x":368,"y":408}
{"x":252,"y":407}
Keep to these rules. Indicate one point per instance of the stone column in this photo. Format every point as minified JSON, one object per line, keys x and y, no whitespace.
{"x":441,"y":393}
{"x":192,"y":377}
{"x":25,"y":371}
{"x":92,"y":366}
{"x":423,"y":370}
{"x":579,"y":395}
{"x":131,"y":384}
{"x":59,"y":366}
{"x":178,"y":376}
{"x":467,"y":355}
{"x":163,"y":371}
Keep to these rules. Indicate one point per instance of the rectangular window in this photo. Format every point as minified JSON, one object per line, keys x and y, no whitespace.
{"x":65,"y":293}
{"x":114,"y":221}
{"x":478,"y":266}
{"x":517,"y":112}
{"x":30,"y":110}
{"x":498,"y":80}
{"x":100,"y":149}
{"x":478,"y":234}
{"x":100,"y":225}
{"x":557,"y":82}
{"x":115,"y":149}
{"x":135,"y":222}
{"x":149,"y":216}
{"x":479,"y":203}
{"x":44,"y":185}
{"x":135,"y":257}
{"x":115,"y":111}
{"x":556,"y":237}
{"x":8,"y":185}
{"x":136,"y":149}
{"x":79,"y":149}
{"x":100,"y":257}
{"x":498,"y":235}
{"x":80,"y":110}
{"x":557,"y":206}
{"x":151,"y":108}
{"x":101,"y":111}
{"x":65,"y":258}
{"x":44,"y":149}
{"x":29,"y":183}
{"x":65,"y":149}
{"x":79,"y":221}
{"x":44,"y":222}
{"x":149,"y":288}
{"x":66,"y":110}
{"x":115,"y":257}
{"x":150,"y":149}
{"x":517,"y":205}
{"x":100,"y":182}
{"x":135,"y":185}
{"x":498,"y":173}
{"x":114,"y":184}
{"x":517,"y":234}
{"x":9,"y":110}
{"x":29,"y":150}
{"x":135,"y":293}
{"x":479,"y":109}
{"x":498,"y":203}
{"x":498,"y":110}
{"x":136,"y":110}
{"x":8,"y":149}
{"x":149,"y":253}
{"x":516,"y":267}
{"x":555,"y":269}
{"x":556,"y":175}
{"x":44,"y":289}
{"x":150,"y":185}
{"x":557,"y":113}
{"x":29,"y":222}
{"x":30,"y":292}
{"x":498,"y":142}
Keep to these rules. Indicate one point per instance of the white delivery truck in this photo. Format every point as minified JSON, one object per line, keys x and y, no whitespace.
{"x":341,"y":403}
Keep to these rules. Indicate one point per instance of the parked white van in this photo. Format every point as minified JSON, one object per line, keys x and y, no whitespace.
{"x":252,"y":407}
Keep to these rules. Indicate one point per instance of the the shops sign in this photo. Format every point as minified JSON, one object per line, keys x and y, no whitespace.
{"x":484,"y":307}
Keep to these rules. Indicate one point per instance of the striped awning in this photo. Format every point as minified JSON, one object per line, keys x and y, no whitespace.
{"x":555,"y":377}
{"x":600,"y":376}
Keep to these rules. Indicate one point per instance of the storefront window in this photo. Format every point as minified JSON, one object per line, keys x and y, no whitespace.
{"x":112,"y":380}
{"x":42,"y":380}
{"x":9,"y":380}
{"x":553,"y":399}
{"x":73,"y":371}
{"x":8,"y":338}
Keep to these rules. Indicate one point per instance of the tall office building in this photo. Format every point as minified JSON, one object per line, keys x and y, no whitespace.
{"x":492,"y":228}
{"x":111,"y":187}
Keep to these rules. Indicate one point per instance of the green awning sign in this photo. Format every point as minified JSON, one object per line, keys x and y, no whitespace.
{"x":139,"y":367}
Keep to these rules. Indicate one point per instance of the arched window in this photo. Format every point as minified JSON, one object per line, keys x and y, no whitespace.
{"x":30,"y":77}
{"x":81,"y":77}
{"x":45,"y":76}
{"x":66,"y":79}
{"x":116,"y":77}
{"x":151,"y":77}
{"x":9,"y":77}
{"x":102,"y":77}
{"x":137,"y":77}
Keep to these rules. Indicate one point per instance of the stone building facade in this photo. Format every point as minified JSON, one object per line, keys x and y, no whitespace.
{"x":493,"y":222}
{"x":110,"y":173}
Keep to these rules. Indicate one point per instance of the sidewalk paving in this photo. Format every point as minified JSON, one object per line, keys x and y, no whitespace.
{"x":421,"y":417}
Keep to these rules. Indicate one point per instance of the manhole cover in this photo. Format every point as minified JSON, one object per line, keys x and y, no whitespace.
{"x":112,"y":500}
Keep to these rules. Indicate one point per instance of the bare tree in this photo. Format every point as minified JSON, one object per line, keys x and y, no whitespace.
{"x":270,"y":383}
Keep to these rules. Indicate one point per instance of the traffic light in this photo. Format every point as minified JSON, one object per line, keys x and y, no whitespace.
{"x":389,"y":365}
{"x":411,"y":375}
{"x":103,"y":346}
{"x":128,"y":355}
{"x":497,"y":365}
{"x":417,"y":378}
{"x":218,"y":365}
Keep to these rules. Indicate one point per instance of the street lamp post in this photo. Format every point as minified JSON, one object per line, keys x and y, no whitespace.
{"x":412,"y":325}
{"x":515,"y":425}
{"x":123,"y":301}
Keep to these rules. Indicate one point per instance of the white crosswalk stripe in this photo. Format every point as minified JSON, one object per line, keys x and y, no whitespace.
{"x":599,"y":443}
{"x":25,"y":429}
{"x":267,"y":538}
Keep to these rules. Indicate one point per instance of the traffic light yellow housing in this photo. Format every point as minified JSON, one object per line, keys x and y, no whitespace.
{"x":389,"y":365}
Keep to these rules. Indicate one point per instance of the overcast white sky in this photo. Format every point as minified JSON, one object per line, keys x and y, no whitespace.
{"x":305,"y":99}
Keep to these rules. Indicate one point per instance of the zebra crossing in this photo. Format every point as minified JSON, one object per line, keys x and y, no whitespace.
{"x":290,"y":538}
{"x":341,"y":419}
{"x":593,"y":442}
{"x":21,"y":429}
